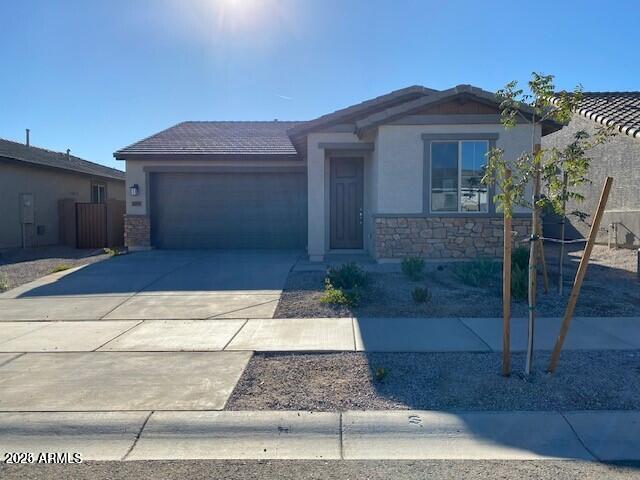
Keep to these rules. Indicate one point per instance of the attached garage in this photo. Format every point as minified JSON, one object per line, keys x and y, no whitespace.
{"x":218,"y":185}
{"x":250,"y":210}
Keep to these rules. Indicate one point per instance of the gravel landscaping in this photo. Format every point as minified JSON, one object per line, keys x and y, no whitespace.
{"x":437,"y":381}
{"x":21,"y":266}
{"x":322,"y":469}
{"x":611,"y":288}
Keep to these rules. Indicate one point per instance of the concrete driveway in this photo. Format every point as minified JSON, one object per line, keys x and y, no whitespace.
{"x":157,"y":285}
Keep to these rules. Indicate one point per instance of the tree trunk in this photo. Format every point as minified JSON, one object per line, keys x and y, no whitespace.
{"x":506,"y":294}
{"x":543,"y":262}
{"x":535,"y":219}
{"x":562,"y":226}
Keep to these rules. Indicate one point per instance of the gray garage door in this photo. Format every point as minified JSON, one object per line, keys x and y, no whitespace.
{"x":229,"y":210}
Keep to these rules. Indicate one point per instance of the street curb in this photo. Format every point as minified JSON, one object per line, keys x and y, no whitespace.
{"x":350,"y":435}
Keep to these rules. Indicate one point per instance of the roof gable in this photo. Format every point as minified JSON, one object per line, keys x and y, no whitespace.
{"x":48,"y":158}
{"x":459,"y":106}
{"x":451,"y":101}
{"x":362,"y":109}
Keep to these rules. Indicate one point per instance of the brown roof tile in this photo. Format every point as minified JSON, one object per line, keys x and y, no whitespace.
{"x":217,"y":138}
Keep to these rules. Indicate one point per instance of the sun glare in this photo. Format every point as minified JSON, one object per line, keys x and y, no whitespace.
{"x":256,"y":22}
{"x":235,"y":15}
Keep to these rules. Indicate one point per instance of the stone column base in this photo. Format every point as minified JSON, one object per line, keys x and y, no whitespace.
{"x":137,"y":232}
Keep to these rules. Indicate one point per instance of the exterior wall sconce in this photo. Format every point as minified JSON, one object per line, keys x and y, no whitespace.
{"x":134,"y":190}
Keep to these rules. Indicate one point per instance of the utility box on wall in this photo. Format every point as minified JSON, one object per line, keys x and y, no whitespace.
{"x":26,"y":208}
{"x":27,"y":219}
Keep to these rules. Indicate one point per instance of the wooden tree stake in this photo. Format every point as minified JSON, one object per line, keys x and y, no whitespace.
{"x":582,"y":270}
{"x":506,"y":293}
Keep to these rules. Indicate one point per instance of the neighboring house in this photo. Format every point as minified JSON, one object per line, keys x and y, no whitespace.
{"x":619,"y":158}
{"x":393,"y":176}
{"x":33,"y":182}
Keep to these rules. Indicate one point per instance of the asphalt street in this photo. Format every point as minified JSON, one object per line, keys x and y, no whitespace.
{"x":352,"y":470}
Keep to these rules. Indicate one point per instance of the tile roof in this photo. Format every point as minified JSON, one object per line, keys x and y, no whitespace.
{"x":217,"y":138}
{"x":620,"y":109}
{"x":48,"y":158}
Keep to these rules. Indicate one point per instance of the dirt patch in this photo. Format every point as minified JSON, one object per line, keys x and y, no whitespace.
{"x":611,"y":288}
{"x":434,"y":381}
{"x":21,"y":266}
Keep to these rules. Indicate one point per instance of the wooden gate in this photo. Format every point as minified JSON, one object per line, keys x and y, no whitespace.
{"x":91,"y":225}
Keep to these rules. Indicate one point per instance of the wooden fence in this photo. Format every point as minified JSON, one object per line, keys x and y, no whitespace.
{"x":91,"y":220}
{"x":91,"y":225}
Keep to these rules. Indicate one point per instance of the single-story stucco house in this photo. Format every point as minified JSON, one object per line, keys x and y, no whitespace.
{"x":393,"y":176}
{"x":33,"y":183}
{"x":619,"y":158}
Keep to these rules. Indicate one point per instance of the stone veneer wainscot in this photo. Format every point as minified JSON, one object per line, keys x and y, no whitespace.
{"x":137,"y":232}
{"x":443,"y":237}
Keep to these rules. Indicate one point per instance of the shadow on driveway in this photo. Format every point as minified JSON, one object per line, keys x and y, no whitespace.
{"x":174,"y":272}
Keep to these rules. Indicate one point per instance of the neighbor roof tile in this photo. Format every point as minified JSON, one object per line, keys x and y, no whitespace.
{"x":618,"y":109}
{"x":49,"y":158}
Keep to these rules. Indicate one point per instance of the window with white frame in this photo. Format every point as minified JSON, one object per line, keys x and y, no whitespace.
{"x":457,"y":168}
{"x":98,"y":193}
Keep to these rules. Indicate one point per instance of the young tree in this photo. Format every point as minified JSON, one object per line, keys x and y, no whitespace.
{"x":539,"y":104}
{"x":568,"y":169}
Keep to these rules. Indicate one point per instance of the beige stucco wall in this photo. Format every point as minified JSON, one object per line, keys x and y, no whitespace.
{"x":400,"y":159}
{"x":47,"y":186}
{"x":393,"y":172}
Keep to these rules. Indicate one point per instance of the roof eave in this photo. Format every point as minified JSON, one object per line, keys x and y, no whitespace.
{"x":173,"y":156}
{"x":608,"y":122}
{"x":60,"y":168}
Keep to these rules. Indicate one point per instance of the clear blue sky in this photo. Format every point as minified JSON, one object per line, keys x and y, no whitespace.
{"x":95,"y":76}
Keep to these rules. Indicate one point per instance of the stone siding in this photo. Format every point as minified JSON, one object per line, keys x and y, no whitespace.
{"x":137,"y":232}
{"x":443,"y":237}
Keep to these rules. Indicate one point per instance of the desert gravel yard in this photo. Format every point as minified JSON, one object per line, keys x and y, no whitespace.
{"x":436,"y":381}
{"x":611,"y":288}
{"x":20,"y":266}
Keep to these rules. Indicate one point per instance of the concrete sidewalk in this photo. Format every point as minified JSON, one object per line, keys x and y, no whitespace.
{"x":314,"y":334}
{"x":393,"y":435}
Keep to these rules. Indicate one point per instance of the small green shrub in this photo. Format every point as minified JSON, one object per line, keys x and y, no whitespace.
{"x":477,"y":272}
{"x":520,"y":257}
{"x":346,"y":277}
{"x":5,"y":284}
{"x":339,"y":296}
{"x":380,"y":374}
{"x":413,"y":267}
{"x":421,"y":295}
{"x":519,"y":282}
{"x":61,"y":267}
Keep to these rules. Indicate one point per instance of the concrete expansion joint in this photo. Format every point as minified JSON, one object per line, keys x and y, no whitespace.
{"x":585,"y":446}
{"x":138,"y":435}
